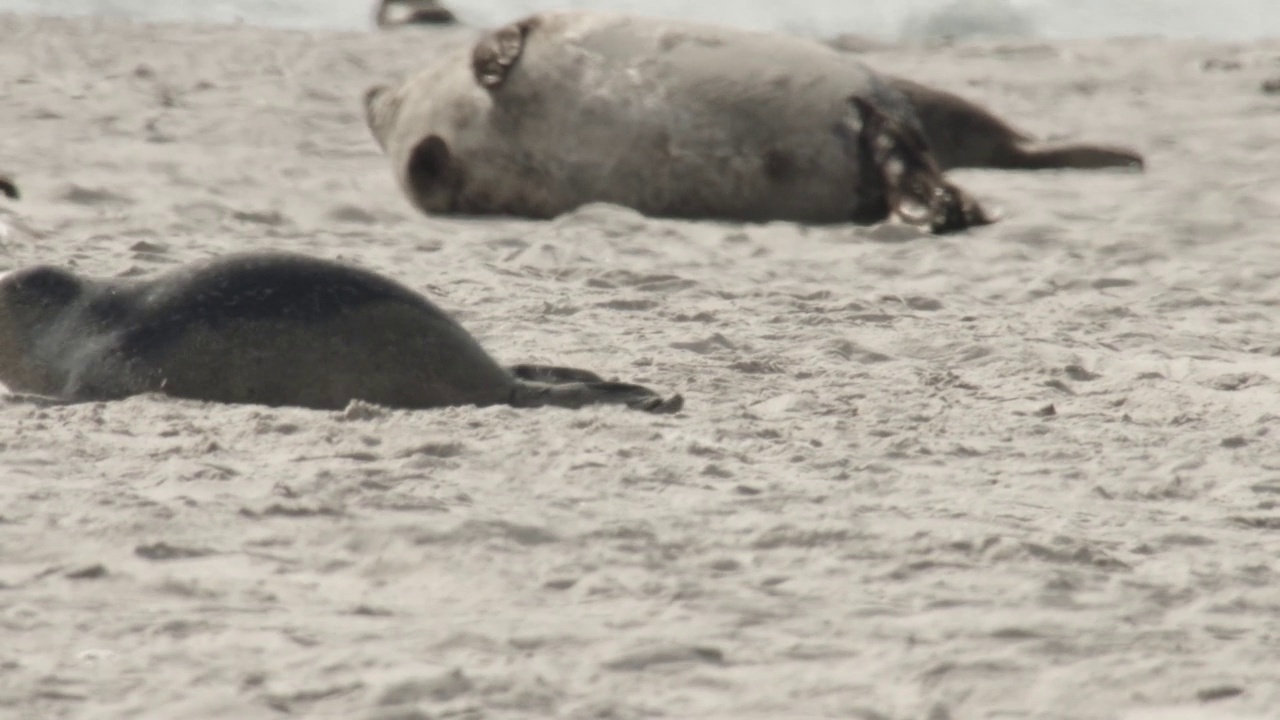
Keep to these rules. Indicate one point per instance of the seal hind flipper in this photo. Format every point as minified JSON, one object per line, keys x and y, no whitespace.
{"x":573,"y":395}
{"x":1078,"y":156}
{"x":900,"y":152}
{"x":553,"y":374}
{"x":37,"y":399}
{"x":497,"y":51}
{"x":9,"y":188}
{"x":962,"y":133}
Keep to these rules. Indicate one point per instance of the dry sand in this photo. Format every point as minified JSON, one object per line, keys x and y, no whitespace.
{"x":1031,"y":471}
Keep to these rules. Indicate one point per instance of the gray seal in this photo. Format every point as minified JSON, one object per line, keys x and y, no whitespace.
{"x":266,"y":328}
{"x":670,"y":118}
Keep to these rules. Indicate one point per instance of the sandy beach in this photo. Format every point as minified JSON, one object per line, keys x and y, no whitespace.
{"x":1028,"y":471}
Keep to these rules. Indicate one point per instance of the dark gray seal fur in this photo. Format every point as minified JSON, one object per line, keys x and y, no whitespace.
{"x":266,"y":328}
{"x":394,"y":13}
{"x":964,"y":134}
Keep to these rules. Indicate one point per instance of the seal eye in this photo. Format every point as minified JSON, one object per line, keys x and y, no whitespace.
{"x":429,"y":162}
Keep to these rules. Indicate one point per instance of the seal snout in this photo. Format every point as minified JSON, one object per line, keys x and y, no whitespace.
{"x":32,"y":299}
{"x":430,"y":172}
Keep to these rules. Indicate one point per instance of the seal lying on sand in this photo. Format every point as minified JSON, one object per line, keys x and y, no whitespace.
{"x":412,"y":12}
{"x":670,"y":118}
{"x":964,"y":134}
{"x":9,"y":188}
{"x":270,"y":329}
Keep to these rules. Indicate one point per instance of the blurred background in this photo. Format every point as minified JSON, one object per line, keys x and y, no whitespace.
{"x":888,"y":19}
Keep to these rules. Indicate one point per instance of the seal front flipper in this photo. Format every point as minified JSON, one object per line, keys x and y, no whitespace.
{"x":575,"y":395}
{"x":37,"y":400}
{"x":912,"y":184}
{"x":497,"y":51}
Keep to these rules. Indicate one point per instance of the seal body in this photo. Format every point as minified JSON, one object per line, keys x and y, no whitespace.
{"x":668,"y":117}
{"x":394,"y":13}
{"x":263,"y":328}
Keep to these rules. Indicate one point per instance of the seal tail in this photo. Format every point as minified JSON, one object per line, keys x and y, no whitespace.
{"x":9,"y":188}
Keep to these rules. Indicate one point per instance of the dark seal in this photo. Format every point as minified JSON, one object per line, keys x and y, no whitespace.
{"x":266,"y":328}
{"x":394,"y":13}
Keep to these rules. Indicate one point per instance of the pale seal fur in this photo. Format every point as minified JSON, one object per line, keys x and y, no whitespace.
{"x":270,"y":329}
{"x":670,"y":118}
{"x":393,"y":13}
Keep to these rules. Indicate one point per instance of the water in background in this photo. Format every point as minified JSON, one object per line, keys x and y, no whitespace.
{"x":892,"y":19}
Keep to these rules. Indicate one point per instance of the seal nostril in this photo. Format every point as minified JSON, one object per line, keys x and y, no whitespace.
{"x":429,"y":162}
